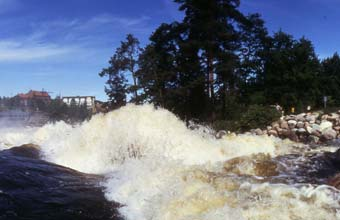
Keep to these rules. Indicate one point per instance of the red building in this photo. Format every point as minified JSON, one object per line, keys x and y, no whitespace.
{"x":34,"y":98}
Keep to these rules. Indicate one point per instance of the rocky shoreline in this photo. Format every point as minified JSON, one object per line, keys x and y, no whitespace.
{"x":312,"y":128}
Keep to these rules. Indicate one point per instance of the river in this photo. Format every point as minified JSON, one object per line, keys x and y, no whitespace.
{"x":146,"y":164}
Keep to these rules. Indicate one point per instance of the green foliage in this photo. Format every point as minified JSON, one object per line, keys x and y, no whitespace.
{"x":57,"y":110}
{"x":123,"y":62}
{"x":258,"y":116}
{"x":221,"y":66}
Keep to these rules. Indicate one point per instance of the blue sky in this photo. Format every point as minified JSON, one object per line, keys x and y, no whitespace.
{"x":61,"y":45}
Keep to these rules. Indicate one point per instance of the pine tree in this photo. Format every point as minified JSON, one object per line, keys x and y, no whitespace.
{"x":123,"y":63}
{"x":116,"y":87}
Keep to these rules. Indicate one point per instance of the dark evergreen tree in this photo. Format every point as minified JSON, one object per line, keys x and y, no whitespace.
{"x":330,"y":79}
{"x":254,"y":38}
{"x":211,"y":29}
{"x":291,"y":72}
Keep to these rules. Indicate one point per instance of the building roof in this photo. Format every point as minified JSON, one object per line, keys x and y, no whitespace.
{"x":34,"y":94}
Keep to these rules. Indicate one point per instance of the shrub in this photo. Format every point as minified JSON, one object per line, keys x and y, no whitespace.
{"x":258,"y":116}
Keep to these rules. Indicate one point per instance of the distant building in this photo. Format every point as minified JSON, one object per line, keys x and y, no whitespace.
{"x":89,"y":101}
{"x":33,"y":98}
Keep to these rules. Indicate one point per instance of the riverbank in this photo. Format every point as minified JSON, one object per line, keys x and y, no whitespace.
{"x":312,"y":127}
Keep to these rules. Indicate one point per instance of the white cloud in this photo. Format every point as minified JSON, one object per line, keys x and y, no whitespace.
{"x":11,"y":50}
{"x":60,"y":38}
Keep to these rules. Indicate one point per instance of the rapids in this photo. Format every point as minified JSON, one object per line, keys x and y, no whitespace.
{"x":158,"y":169}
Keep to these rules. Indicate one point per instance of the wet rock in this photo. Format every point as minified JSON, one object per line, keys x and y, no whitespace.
{"x":220,"y":134}
{"x":290,"y":135}
{"x":334,"y":181}
{"x":258,"y":131}
{"x":273,"y":133}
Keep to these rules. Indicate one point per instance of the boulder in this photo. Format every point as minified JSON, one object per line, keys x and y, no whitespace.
{"x":258,"y":131}
{"x":220,"y":134}
{"x":273,"y":133}
{"x":324,"y":117}
{"x":309,"y":129}
{"x":292,"y":124}
{"x":316,"y":133}
{"x":316,"y":127}
{"x":300,"y":124}
{"x":329,"y":134}
{"x":313,"y":139}
{"x":290,"y":135}
{"x":301,"y":117}
{"x":301,"y":131}
{"x":290,"y":117}
{"x":311,"y":117}
{"x":284,"y":124}
{"x":333,"y":117}
{"x":325,"y":125}
{"x":275,"y":125}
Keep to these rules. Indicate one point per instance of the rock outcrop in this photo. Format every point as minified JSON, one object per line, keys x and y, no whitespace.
{"x":305,"y":127}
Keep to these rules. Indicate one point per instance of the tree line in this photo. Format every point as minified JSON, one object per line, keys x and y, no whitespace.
{"x":55,"y":109}
{"x":218,"y":64}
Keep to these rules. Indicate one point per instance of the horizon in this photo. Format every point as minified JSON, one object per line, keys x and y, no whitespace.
{"x":60,"y":47}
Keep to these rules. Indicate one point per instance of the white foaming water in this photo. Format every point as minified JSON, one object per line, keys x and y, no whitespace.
{"x":160,"y":170}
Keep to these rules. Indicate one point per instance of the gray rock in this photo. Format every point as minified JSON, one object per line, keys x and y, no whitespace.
{"x":292,"y":124}
{"x":300,"y":124}
{"x":301,"y":117}
{"x":329,"y":134}
{"x":325,"y":125}
{"x":311,"y":117}
{"x":290,"y":117}
{"x":301,"y":131}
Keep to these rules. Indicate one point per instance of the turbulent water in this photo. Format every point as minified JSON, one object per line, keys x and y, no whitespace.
{"x":158,"y":169}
